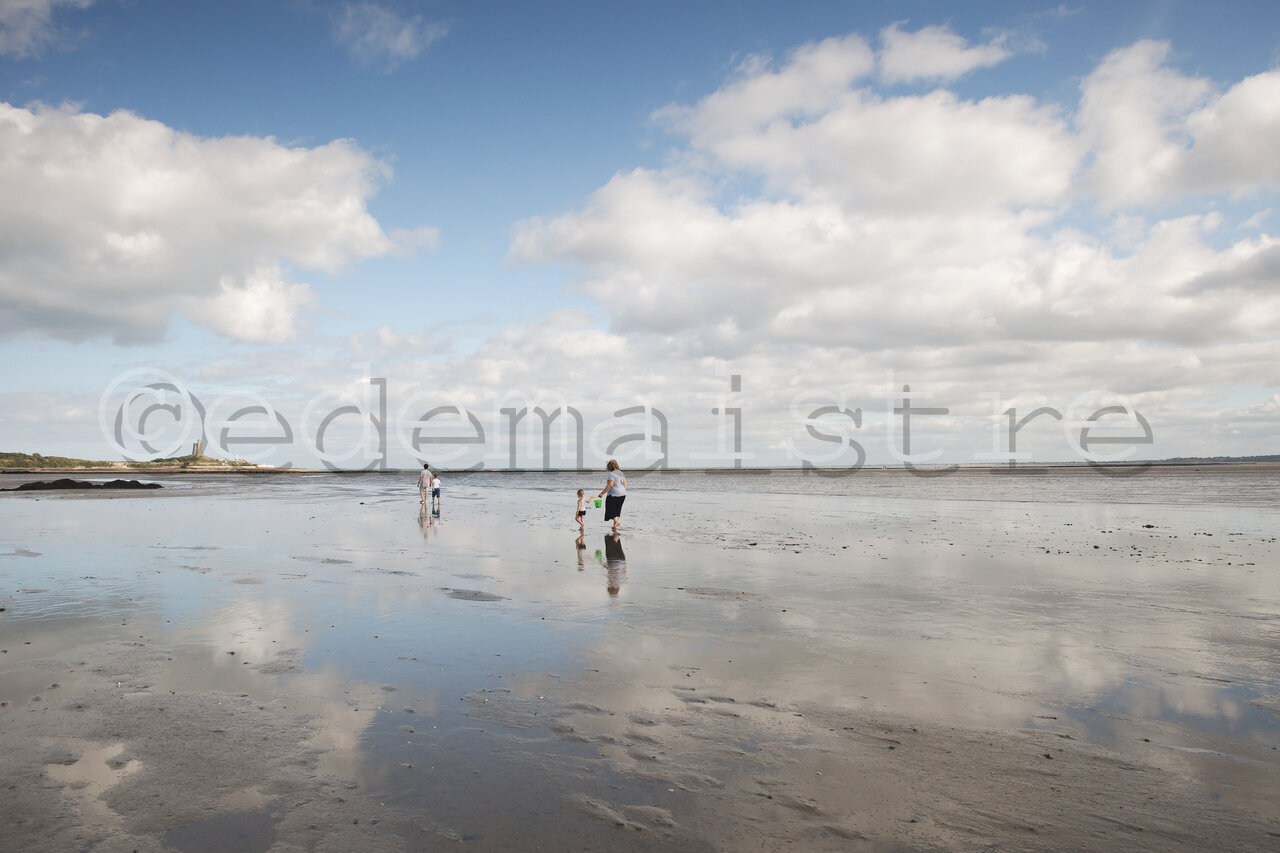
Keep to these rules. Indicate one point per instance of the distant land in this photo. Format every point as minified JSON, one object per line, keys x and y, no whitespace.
{"x":35,"y":461}
{"x":1193,"y":459}
{"x":30,"y":462}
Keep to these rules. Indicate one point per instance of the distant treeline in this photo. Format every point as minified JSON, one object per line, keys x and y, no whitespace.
{"x":35,"y":460}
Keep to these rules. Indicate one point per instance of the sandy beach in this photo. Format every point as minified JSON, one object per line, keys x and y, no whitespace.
{"x":759,"y":662}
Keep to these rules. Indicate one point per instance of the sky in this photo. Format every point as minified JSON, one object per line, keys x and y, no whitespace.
{"x":373,"y":234}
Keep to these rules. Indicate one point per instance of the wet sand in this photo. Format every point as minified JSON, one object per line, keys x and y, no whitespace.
{"x":756,"y":664}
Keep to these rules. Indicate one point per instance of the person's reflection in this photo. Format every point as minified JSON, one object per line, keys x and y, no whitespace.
{"x":581,"y":543}
{"x":615,"y":562}
{"x":427,"y":520}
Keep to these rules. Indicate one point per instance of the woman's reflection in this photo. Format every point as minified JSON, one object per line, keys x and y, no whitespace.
{"x":615,"y":562}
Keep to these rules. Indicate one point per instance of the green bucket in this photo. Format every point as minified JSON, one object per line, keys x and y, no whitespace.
{"x":597,"y":501}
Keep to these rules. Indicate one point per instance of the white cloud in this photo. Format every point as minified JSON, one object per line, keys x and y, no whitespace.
{"x":565,"y":359}
{"x":921,"y":220}
{"x":263,"y":307}
{"x":811,"y":132}
{"x":1236,"y":138}
{"x":958,"y":242}
{"x":375,"y":34}
{"x":660,"y":256}
{"x":1257,"y":219}
{"x":933,"y":53}
{"x":806,"y":85}
{"x":1132,"y":112}
{"x":1253,"y":269}
{"x":1158,"y":134}
{"x":27,"y":26}
{"x":110,"y":223}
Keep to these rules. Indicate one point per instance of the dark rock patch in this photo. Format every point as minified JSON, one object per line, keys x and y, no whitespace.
{"x":67,"y":483}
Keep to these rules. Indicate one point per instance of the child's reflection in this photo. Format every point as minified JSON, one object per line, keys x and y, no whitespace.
{"x":581,"y":543}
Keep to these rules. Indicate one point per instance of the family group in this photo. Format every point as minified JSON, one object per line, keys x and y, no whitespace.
{"x":614,"y":493}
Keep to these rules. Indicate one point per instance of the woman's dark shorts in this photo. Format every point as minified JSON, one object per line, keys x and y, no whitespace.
{"x":613,"y":506}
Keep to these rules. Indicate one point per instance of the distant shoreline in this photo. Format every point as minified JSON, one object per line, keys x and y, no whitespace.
{"x":935,"y":470}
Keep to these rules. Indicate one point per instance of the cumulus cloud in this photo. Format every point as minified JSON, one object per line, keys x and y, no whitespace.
{"x":1132,"y":112}
{"x":661,"y":256}
{"x":906,"y":153}
{"x":933,"y":53}
{"x":758,"y":95}
{"x":813,"y":130}
{"x":27,"y":27}
{"x":1236,"y":138}
{"x":262,"y":307}
{"x":927,"y":219}
{"x":971,"y":245}
{"x":1253,"y":269}
{"x":1157,"y":134}
{"x":108,"y":224}
{"x":378,"y":35}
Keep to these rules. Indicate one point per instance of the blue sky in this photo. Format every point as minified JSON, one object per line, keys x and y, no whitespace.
{"x":559,"y":202}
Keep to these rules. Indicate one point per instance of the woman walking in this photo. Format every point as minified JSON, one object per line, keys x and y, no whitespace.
{"x":617,"y":493}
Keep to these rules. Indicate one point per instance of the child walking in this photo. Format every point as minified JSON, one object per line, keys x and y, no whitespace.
{"x":435,"y":492}
{"x":581,"y":515}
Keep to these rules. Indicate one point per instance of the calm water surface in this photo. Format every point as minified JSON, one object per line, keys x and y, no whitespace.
{"x":1103,"y":608}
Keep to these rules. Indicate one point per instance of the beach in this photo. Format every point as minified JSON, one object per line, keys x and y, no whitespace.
{"x":1066,"y":660}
